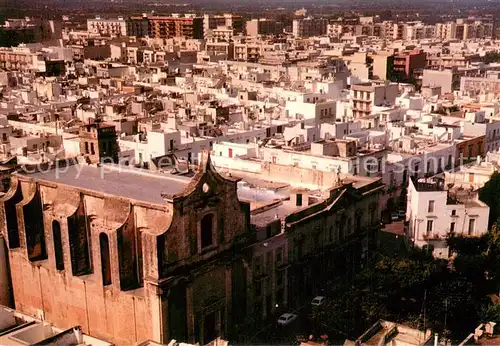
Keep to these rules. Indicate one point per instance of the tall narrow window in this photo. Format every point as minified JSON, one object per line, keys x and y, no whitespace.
{"x":11,"y":218}
{"x":429,"y":226}
{"x":105,"y":259}
{"x":430,"y":208}
{"x":58,"y":247}
{"x":207,"y":230}
{"x":33,"y":227}
{"x":452,"y":227}
{"x":472,"y":224}
{"x":92,"y":150}
{"x":79,"y":243}
{"x":299,"y":200}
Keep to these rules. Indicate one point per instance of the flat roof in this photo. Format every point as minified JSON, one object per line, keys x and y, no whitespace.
{"x":120,"y":181}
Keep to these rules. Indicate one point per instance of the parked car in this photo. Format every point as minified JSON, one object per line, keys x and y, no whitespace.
{"x":317,"y":301}
{"x":286,"y":319}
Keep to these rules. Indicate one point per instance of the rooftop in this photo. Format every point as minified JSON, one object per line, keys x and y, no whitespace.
{"x":388,"y":333}
{"x":121,"y":181}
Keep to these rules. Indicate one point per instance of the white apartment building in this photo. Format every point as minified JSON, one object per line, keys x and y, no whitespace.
{"x":316,"y":112}
{"x":107,"y":27}
{"x":433,"y":213}
{"x":446,"y":31}
{"x":477,"y":125}
{"x":364,"y":97}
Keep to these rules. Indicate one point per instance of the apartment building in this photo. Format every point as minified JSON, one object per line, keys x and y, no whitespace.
{"x":169,"y":27}
{"x":227,"y":20}
{"x":405,"y":63}
{"x":490,"y":84}
{"x":365,"y":96}
{"x":446,"y":31}
{"x":29,"y":30}
{"x":434,"y":213}
{"x":21,"y":58}
{"x":107,"y":27}
{"x":309,"y":27}
{"x":137,"y":26}
{"x":467,"y":29}
{"x":263,"y":26}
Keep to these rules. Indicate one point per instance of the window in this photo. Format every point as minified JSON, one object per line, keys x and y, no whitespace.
{"x":430,"y":208}
{"x":86,"y":147}
{"x":80,"y":243}
{"x":279,"y":256}
{"x":33,"y":226}
{"x":105,"y":259}
{"x":92,"y":150}
{"x":299,"y":200}
{"x":472,"y":224}
{"x":207,"y":231}
{"x":453,"y":212}
{"x":58,"y":247}
{"x":452,"y":227}
{"x":429,"y":226}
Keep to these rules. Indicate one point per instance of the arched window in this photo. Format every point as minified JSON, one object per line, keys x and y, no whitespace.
{"x":207,"y":231}
{"x":105,"y":259}
{"x":33,"y":227}
{"x":58,"y":247}
{"x":79,"y":242}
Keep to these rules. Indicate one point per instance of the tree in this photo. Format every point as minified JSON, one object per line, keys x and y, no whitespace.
{"x":490,"y":194}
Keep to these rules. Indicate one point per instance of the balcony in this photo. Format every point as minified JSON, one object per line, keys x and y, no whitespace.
{"x":432,"y":236}
{"x":361,"y":99}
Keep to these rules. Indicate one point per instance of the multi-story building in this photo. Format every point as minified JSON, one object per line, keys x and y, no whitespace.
{"x":169,"y":27}
{"x":334,"y":30}
{"x":28,"y":30}
{"x":309,"y":27}
{"x":382,"y":65}
{"x":137,"y":26}
{"x":263,"y":26}
{"x":227,"y":20}
{"x":98,"y":142}
{"x":447,"y":79}
{"x":247,"y":51}
{"x":467,"y":29}
{"x":434,"y":213}
{"x":406,"y":62}
{"x":418,"y":31}
{"x":367,"y":95}
{"x":490,"y":84}
{"x":446,"y":31}
{"x":107,"y":27}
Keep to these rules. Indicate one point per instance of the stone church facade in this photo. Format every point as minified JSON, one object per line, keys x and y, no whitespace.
{"x":126,"y":270}
{"x":132,"y":255}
